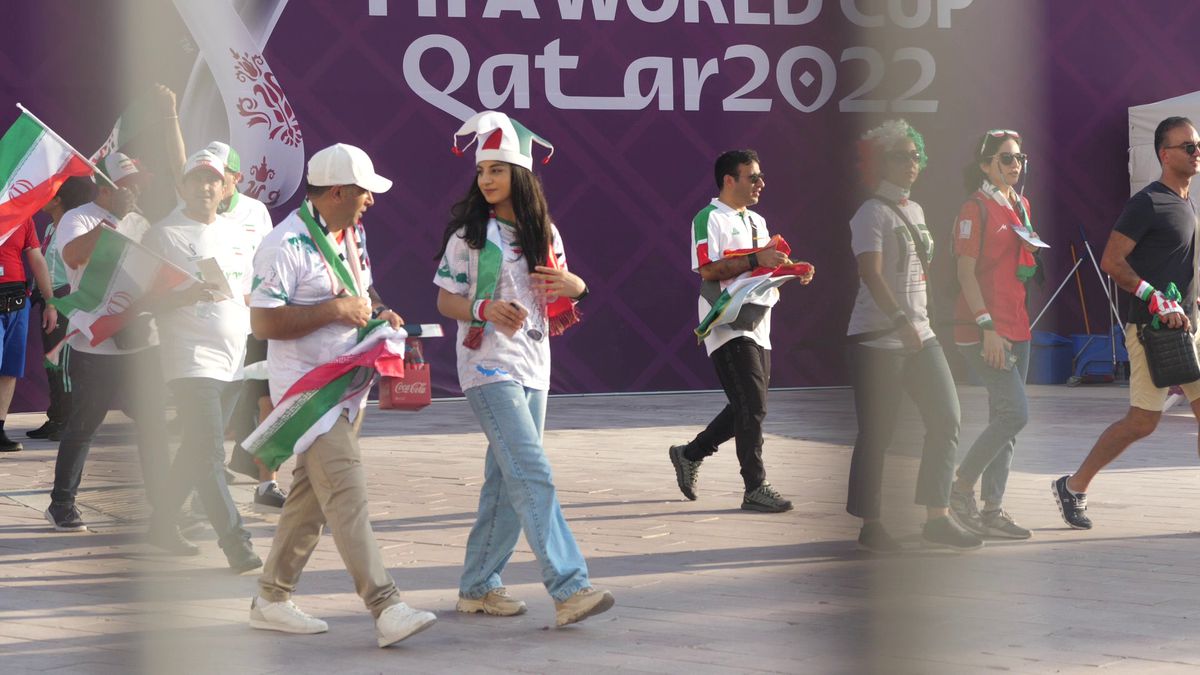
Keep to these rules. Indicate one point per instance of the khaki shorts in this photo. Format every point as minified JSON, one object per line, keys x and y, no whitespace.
{"x":1142,"y":392}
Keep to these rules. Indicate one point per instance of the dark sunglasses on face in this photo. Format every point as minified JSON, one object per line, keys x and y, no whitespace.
{"x":1189,"y":147}
{"x":1008,"y":158}
{"x":756,"y":178}
{"x":900,"y":156}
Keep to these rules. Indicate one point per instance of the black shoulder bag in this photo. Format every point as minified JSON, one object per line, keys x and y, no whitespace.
{"x":1171,"y":352}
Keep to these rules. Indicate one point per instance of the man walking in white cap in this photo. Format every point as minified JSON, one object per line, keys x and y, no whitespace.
{"x":310,"y":296}
{"x":203,"y":334}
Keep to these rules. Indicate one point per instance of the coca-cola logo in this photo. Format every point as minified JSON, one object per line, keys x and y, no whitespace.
{"x":413,"y":388}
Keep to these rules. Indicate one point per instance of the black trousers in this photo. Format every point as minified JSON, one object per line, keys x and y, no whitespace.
{"x":56,"y":376}
{"x":744,"y":369}
{"x":132,"y":383}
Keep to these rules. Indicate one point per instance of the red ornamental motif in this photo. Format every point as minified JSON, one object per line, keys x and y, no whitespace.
{"x":268,"y":106}
{"x":256,"y":183}
{"x":19,"y":188}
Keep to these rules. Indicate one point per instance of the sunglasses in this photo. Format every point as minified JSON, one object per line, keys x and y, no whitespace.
{"x":756,"y":178}
{"x":1189,"y":148}
{"x":997,"y":133}
{"x":1009,"y":158}
{"x":902,"y":157}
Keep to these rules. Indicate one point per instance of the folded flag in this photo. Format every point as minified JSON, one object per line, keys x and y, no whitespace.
{"x":120,"y":274}
{"x":751,"y":289}
{"x":314,"y":403}
{"x":34,"y":162}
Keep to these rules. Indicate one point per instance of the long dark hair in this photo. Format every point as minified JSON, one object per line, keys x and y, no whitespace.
{"x":529,"y":205}
{"x":973,"y":176}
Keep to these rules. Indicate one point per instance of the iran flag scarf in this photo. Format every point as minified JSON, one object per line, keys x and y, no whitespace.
{"x":314,"y":403}
{"x":561,"y":313}
{"x":1026,"y":263}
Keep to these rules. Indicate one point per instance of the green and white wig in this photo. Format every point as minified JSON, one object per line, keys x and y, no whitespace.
{"x":877,"y":141}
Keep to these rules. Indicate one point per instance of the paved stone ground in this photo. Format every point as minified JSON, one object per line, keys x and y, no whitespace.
{"x":701,"y":587}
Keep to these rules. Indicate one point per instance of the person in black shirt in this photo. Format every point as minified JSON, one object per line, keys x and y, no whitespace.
{"x":1151,"y":247}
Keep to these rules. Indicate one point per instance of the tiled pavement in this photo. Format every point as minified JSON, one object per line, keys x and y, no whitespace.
{"x":701,"y":587}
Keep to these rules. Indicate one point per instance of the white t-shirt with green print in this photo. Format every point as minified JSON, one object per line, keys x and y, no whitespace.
{"x":876,"y":227}
{"x":289,"y":270}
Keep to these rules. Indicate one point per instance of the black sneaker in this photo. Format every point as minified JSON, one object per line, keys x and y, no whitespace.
{"x":272,"y":498}
{"x":945,"y":533}
{"x":44,"y":431}
{"x":1071,"y":506}
{"x":686,"y":471}
{"x":875,"y":539}
{"x":65,"y":518}
{"x":168,"y":538}
{"x":242,"y":462}
{"x":243,"y":559}
{"x":1000,"y":524}
{"x":8,"y":445}
{"x":764,"y":498}
{"x":966,"y":513}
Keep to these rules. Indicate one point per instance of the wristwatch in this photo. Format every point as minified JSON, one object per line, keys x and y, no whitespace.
{"x":582,"y":295}
{"x":379,"y":310}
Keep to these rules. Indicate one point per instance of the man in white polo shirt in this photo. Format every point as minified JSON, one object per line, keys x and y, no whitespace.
{"x":203,"y":334}
{"x":310,"y":307}
{"x":741,"y":350}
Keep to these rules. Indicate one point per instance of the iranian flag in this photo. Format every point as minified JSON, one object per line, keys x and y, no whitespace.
{"x":120,"y":273}
{"x":314,"y":403}
{"x":34,"y":162}
{"x":752,"y":289}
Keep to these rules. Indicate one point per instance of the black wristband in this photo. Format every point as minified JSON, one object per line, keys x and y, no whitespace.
{"x":753,"y":258}
{"x":582,"y":295}
{"x":379,"y":310}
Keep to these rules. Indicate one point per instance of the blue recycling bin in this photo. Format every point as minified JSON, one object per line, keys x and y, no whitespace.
{"x":1093,"y":355}
{"x":1050,"y":358}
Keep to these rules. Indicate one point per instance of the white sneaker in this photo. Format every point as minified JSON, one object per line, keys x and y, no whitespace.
{"x":283,"y":616}
{"x":400,"y":621}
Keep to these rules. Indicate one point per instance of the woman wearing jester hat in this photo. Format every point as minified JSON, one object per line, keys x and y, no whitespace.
{"x":995,"y":243}
{"x":892,"y":346}
{"x":503,"y":277}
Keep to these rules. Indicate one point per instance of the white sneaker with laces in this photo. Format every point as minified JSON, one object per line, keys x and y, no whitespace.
{"x":283,"y":616}
{"x":401,"y":621}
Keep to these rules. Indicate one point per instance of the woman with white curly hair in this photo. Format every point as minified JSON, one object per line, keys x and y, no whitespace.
{"x":892,"y":346}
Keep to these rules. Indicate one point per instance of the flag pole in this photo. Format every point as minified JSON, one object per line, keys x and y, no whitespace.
{"x":70,"y":147}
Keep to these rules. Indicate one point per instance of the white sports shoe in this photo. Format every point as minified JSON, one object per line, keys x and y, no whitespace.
{"x":400,"y":621}
{"x":283,"y":616}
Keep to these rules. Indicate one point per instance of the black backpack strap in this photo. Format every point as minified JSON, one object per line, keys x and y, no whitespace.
{"x":918,"y":242}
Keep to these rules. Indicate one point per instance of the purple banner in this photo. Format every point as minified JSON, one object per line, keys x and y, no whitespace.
{"x":639,"y":97}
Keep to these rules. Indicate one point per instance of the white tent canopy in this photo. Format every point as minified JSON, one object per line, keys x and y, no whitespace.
{"x":1143,"y":164}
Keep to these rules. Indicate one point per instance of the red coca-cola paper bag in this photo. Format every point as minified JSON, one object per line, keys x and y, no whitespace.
{"x":411,"y":392}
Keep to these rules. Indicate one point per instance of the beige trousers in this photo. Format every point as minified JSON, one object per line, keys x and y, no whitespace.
{"x":329,"y":485}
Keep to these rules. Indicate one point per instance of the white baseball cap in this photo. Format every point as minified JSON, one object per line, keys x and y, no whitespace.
{"x":207,"y":161}
{"x":343,"y":164}
{"x":228,"y":156}
{"x":118,"y":166}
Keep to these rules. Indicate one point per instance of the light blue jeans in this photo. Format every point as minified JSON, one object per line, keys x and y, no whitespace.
{"x":1008,"y":412}
{"x":518,"y":494}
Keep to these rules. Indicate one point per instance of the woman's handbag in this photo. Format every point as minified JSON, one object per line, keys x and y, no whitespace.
{"x":1170,"y":355}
